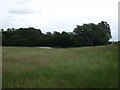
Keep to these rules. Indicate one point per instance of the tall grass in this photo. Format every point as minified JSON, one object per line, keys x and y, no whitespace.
{"x":85,"y":67}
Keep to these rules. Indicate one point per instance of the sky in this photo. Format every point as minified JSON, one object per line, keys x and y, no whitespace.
{"x":58,"y":15}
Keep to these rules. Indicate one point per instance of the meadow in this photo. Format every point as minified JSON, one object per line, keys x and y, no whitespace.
{"x":84,"y":67}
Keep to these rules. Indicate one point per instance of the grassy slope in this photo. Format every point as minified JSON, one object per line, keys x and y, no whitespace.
{"x":83,"y":67}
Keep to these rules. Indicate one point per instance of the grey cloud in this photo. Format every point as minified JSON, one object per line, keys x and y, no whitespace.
{"x":22,"y":1}
{"x":23,"y":10}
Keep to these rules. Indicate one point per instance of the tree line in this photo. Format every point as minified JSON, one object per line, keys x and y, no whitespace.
{"x":85,"y":35}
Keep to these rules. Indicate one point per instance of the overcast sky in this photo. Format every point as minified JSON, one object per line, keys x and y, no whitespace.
{"x":58,"y":15}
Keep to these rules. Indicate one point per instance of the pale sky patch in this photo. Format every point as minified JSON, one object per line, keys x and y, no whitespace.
{"x":58,"y":15}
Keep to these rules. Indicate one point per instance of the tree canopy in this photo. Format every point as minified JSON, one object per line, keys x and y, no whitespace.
{"x":86,"y":35}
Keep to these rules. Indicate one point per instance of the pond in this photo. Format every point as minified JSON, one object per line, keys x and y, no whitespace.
{"x":45,"y":47}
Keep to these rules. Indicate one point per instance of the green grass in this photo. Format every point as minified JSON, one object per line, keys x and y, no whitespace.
{"x":85,"y":67}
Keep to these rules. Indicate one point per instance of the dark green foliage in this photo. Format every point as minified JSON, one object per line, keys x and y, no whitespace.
{"x":92,"y":34}
{"x":21,"y":37}
{"x":86,"y":35}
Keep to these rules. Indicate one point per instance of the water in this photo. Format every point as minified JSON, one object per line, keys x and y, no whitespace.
{"x":45,"y":47}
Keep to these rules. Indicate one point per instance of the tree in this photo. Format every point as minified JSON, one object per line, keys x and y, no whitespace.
{"x":106,"y":31}
{"x":92,"y":34}
{"x":85,"y":35}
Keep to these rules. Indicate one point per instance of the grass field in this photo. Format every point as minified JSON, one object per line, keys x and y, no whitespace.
{"x":84,"y":67}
